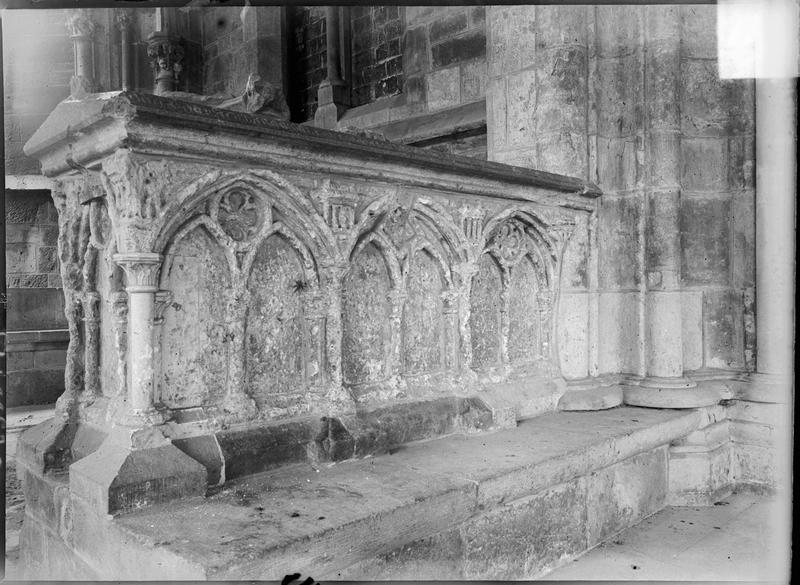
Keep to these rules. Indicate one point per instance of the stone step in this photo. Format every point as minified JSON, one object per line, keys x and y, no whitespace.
{"x":504,"y":505}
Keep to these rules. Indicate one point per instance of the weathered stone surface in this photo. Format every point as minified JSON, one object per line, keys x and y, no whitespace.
{"x":705,"y":232}
{"x":485,"y":314}
{"x":465,"y":47}
{"x":573,"y":335}
{"x":275,"y":329}
{"x":194,"y":373}
{"x":618,"y":107}
{"x":722,"y":328}
{"x":692,"y":329}
{"x":330,"y":519}
{"x":117,"y":479}
{"x":205,"y":449}
{"x":34,"y":309}
{"x":521,"y":539}
{"x":365,"y":292}
{"x":512,"y":30}
{"x":670,"y":397}
{"x":442,"y":88}
{"x":624,"y":494}
{"x":591,"y":399}
{"x":521,"y":112}
{"x":560,"y":25}
{"x":618,"y":319}
{"x":700,"y":477}
{"x":617,"y":239}
{"x":438,"y":555}
{"x":254,"y":450}
{"x":618,"y":29}
{"x":423,"y":321}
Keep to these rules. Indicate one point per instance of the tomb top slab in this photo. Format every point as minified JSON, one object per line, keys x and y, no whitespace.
{"x":80,"y":133}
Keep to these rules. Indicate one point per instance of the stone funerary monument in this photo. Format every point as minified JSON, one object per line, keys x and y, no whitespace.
{"x":325,"y":345}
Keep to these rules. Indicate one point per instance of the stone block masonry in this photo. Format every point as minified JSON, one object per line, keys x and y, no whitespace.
{"x":37,"y":337}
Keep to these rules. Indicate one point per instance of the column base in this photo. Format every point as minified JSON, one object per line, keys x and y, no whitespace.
{"x":134,"y":469}
{"x":654,"y":392}
{"x":599,"y":398}
{"x":332,"y":105}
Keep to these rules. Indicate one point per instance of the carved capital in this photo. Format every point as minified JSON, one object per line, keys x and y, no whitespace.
{"x":137,"y":197}
{"x":122,"y":19}
{"x":80,"y":24}
{"x":166,"y":54}
{"x":141,"y":270}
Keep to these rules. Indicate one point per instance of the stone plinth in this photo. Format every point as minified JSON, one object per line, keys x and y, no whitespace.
{"x":506,"y":505}
{"x":245,"y":293}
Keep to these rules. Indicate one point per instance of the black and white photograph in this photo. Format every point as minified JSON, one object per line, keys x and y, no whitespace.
{"x":445,"y":292}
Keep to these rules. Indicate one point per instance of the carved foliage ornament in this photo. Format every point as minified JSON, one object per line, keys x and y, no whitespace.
{"x":240,"y":215}
{"x":509,"y":243}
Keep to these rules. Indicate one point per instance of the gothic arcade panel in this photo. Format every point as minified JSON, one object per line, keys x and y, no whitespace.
{"x":485,"y":317}
{"x":274,"y":332}
{"x":523,"y":313}
{"x":365,"y":317}
{"x":193,"y":340}
{"x":423,"y":339}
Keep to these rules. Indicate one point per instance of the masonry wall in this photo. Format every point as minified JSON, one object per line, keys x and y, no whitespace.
{"x":37,"y":339}
{"x":593,"y":92}
{"x":36,"y":73}
{"x":307,"y":55}
{"x":237,"y":42}
{"x":445,"y":55}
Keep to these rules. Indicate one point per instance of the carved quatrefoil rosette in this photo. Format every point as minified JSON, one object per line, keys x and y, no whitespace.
{"x":400,"y":228}
{"x":240,"y":214}
{"x":510,"y":244}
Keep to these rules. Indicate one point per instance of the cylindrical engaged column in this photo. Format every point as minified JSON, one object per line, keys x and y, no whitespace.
{"x":81,"y":28}
{"x":123,"y":21}
{"x":332,"y":45}
{"x":332,"y":94}
{"x":664,"y":358}
{"x":141,"y":270}
{"x":775,"y":225}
